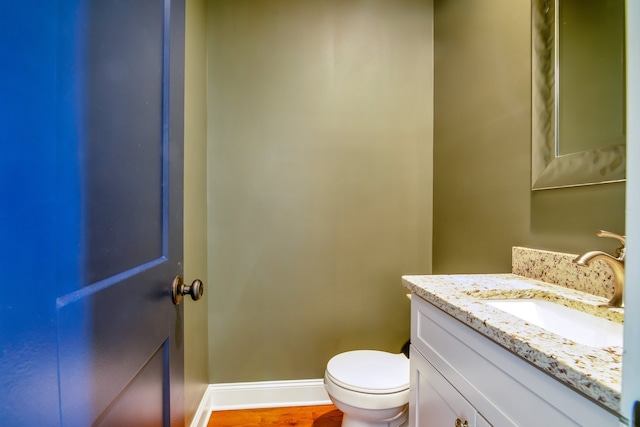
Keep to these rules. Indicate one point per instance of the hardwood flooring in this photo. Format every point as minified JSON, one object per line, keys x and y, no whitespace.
{"x":301,"y":416}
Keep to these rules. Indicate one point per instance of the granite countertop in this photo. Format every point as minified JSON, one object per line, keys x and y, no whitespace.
{"x":595,"y":372}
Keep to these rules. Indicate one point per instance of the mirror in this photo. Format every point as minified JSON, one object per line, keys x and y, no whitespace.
{"x":578,"y":93}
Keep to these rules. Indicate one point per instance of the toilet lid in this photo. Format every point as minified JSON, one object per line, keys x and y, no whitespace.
{"x":370,"y":371}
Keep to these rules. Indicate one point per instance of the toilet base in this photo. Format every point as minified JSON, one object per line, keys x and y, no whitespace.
{"x":350,"y":422}
{"x":393,"y":417}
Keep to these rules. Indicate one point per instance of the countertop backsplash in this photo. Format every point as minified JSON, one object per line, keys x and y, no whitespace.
{"x":557,"y":268}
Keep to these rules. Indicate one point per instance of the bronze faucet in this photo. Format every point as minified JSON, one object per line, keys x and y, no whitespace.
{"x":615,"y":263}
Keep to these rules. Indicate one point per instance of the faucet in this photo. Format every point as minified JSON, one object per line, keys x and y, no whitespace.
{"x":615,"y":263}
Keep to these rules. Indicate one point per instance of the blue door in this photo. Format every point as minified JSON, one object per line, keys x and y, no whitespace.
{"x":91,"y":128}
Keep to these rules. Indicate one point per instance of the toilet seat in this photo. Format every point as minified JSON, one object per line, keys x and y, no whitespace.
{"x":369,"y":371}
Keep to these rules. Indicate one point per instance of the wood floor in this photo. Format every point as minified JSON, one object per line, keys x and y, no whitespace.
{"x":302,"y":416}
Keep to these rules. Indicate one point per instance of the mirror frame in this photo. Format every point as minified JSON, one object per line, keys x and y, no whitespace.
{"x":548,"y":168}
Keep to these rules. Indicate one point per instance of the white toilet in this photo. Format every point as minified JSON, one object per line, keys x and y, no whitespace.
{"x":370,"y":387}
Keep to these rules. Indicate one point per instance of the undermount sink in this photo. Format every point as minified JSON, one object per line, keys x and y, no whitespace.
{"x":574,"y":324}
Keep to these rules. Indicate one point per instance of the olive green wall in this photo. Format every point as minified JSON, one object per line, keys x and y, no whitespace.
{"x":483,"y":204}
{"x":195,"y":206}
{"x":319,"y":180}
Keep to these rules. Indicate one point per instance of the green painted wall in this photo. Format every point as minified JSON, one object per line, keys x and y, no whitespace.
{"x":319,"y":180}
{"x":483,"y":204}
{"x":196,"y":369}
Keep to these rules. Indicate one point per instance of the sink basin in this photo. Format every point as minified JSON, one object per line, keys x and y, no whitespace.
{"x":575,"y":325}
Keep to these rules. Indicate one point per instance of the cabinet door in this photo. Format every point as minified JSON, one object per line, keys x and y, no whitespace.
{"x":434,"y":402}
{"x":481,"y":422}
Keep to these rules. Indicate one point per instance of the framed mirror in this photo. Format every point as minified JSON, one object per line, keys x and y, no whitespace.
{"x":578,"y":93}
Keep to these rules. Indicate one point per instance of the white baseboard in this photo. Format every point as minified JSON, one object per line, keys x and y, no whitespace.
{"x":265,"y":394}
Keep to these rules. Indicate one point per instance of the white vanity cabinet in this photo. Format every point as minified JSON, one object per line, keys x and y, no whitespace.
{"x":458,"y":375}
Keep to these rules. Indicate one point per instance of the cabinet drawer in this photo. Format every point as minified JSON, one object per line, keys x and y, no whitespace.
{"x":507,"y":390}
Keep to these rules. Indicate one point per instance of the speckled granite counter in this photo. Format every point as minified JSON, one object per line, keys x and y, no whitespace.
{"x":595,"y":372}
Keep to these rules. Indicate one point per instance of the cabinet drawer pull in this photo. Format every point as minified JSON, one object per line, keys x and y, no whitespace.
{"x":460,"y":423}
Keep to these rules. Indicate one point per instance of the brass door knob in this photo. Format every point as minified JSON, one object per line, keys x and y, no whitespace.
{"x":179,"y":289}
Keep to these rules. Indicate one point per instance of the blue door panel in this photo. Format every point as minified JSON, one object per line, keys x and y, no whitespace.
{"x":100,"y":359}
{"x":144,"y":399}
{"x":124,"y":110}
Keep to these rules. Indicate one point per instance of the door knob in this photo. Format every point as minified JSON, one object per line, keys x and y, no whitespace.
{"x":179,"y":289}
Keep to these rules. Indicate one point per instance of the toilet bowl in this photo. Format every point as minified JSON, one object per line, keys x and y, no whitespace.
{"x":370,"y":387}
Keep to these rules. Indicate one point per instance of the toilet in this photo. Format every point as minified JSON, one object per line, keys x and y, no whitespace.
{"x":370,"y":387}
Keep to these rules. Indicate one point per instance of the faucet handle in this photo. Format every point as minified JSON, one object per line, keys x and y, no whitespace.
{"x":623,"y":239}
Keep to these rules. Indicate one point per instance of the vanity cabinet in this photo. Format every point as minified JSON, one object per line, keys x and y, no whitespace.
{"x":458,"y":375}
